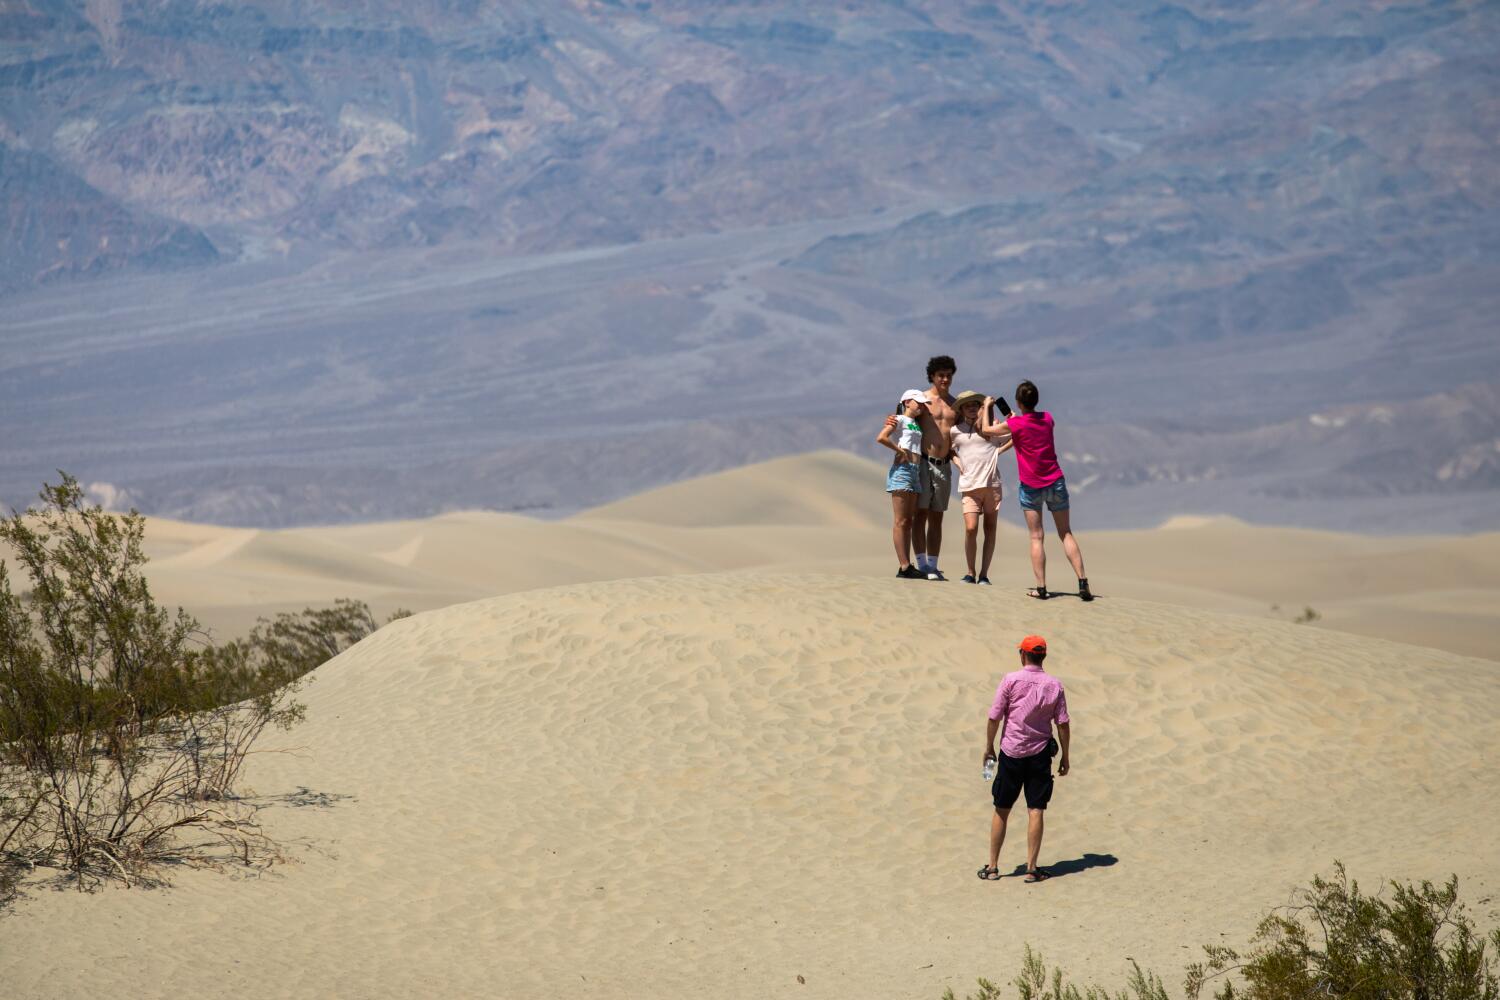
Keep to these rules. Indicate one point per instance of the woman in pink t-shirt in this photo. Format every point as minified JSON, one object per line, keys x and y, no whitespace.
{"x":1042,"y":482}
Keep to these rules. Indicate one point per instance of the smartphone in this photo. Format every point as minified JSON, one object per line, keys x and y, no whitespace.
{"x":1002,"y":406}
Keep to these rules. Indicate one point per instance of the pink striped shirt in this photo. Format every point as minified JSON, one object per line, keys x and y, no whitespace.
{"x":1029,"y":700}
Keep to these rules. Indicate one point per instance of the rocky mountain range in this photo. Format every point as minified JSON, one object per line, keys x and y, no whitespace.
{"x":279,"y":262}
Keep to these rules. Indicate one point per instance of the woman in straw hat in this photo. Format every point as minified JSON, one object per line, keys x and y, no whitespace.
{"x":977,"y":446}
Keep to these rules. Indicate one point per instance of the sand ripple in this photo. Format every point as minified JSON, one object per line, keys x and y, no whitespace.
{"x":712,"y":784}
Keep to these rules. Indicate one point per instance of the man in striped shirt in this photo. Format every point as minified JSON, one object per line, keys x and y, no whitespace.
{"x":1027,"y":704}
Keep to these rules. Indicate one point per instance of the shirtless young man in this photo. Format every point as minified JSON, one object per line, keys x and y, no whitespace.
{"x":937,"y":470}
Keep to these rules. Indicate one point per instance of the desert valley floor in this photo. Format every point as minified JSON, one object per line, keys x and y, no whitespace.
{"x":701,"y":742}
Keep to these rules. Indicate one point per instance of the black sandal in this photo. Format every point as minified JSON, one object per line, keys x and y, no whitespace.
{"x":989,"y":874}
{"x":1084,"y":593}
{"x":1040,"y":593}
{"x":1037,"y":875}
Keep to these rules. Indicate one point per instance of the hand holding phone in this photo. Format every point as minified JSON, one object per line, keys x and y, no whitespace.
{"x":1002,"y":406}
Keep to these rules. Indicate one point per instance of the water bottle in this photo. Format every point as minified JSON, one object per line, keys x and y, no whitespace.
{"x":991,"y":765}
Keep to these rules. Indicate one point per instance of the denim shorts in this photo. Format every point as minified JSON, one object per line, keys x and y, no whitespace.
{"x":903,"y":478}
{"x":1054,"y":495}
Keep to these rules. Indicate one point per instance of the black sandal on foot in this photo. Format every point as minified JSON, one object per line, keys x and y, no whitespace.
{"x":1040,"y":593}
{"x":1037,"y":875}
{"x":989,"y":874}
{"x":1084,"y":594}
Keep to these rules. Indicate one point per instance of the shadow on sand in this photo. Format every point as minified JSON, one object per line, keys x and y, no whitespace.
{"x":1070,"y":593}
{"x":1060,"y":868}
{"x":304,"y":798}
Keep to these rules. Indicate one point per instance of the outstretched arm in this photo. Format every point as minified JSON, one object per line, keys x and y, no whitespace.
{"x":995,"y":430}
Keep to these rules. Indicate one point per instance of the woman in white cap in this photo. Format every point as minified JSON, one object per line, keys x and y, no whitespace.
{"x":902,"y":482}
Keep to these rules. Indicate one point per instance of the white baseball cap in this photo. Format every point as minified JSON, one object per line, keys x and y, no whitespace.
{"x":920,"y":395}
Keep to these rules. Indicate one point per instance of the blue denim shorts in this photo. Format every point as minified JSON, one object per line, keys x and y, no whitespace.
{"x":1054,"y":495}
{"x":903,"y":478}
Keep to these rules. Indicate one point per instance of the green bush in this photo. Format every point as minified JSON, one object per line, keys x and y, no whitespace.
{"x":120,"y":728}
{"x":1333,"y":941}
{"x":1034,"y":984}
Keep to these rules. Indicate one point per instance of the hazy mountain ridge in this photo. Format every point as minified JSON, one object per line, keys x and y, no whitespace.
{"x":541,"y":126}
{"x":535,"y":126}
{"x":1199,"y":229}
{"x":58,"y":227}
{"x":1344,"y":465}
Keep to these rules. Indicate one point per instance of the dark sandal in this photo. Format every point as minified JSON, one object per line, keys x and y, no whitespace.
{"x":1040,"y":593}
{"x":989,"y":874}
{"x":1037,"y":875}
{"x":1083,"y":590}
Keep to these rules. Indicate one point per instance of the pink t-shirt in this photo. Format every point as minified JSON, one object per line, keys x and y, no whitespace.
{"x":1036,"y":456}
{"x":1030,"y":700}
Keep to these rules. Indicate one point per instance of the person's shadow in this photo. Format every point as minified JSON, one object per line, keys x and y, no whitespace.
{"x":1058,"y":869}
{"x":1068,"y":593}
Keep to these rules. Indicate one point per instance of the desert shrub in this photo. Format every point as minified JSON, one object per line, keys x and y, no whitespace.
{"x":1035,"y":984}
{"x":1335,"y":941}
{"x":1332,"y":941}
{"x":257,"y":672}
{"x":280,"y":651}
{"x":120,"y":730}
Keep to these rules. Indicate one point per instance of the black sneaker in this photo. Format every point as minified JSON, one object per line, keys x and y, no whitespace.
{"x":936,"y":574}
{"x":911,"y":573}
{"x":1083,"y":590}
{"x":969,"y":578}
{"x":984,"y":581}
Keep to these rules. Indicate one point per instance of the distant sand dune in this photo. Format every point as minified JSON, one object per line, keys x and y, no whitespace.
{"x":827,"y":512}
{"x":825,"y":488}
{"x":711,"y":784}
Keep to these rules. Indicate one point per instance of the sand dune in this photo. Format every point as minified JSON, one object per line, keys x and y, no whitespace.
{"x":700,"y":741}
{"x":826,"y":512}
{"x":826,"y":489}
{"x":713,"y":784}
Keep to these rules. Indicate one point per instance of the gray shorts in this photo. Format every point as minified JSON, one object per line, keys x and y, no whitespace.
{"x":937,"y":484}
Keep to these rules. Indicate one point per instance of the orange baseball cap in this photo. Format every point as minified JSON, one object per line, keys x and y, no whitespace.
{"x":1033,"y":644}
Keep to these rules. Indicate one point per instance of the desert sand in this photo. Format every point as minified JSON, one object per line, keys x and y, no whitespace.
{"x":825,"y":512}
{"x":701,"y":743}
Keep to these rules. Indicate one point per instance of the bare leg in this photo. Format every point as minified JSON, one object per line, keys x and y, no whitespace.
{"x":903,"y":504}
{"x":971,"y":541}
{"x":1070,"y":544}
{"x":934,"y":533}
{"x":1034,"y":823}
{"x":991,"y":523}
{"x":919,"y":532}
{"x":1038,"y":546}
{"x":997,"y":834}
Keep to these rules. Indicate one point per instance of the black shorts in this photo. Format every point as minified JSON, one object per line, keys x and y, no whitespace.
{"x":1033,"y":773}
